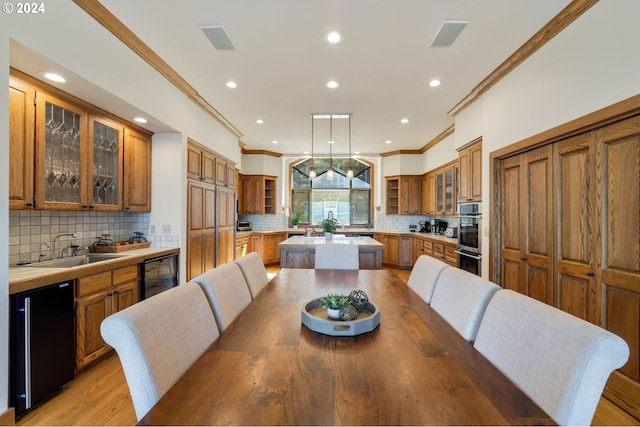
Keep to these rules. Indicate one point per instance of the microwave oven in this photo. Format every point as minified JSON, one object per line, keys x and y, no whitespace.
{"x":469,"y":209}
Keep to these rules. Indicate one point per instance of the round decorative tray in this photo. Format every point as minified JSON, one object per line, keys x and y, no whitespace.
{"x":315,"y":318}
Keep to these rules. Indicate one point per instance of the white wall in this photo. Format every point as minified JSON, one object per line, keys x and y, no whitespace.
{"x":4,"y":223}
{"x":442,"y":153}
{"x":592,"y":64}
{"x":402,"y":164}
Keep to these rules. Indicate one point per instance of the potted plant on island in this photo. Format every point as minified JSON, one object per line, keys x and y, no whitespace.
{"x":334,"y":303}
{"x":329,"y":226}
{"x":295,"y":219}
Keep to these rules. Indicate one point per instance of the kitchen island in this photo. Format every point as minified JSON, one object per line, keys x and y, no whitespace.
{"x":300,"y":251}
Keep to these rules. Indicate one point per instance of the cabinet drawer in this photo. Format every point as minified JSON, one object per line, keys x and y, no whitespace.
{"x":428,"y":246}
{"x":438,"y":248}
{"x":450,"y":251}
{"x":420,"y":243}
{"x":125,"y":275}
{"x":92,"y":284}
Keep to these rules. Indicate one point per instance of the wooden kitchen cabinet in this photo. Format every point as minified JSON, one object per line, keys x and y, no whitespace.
{"x":405,"y":254}
{"x":391,"y":252}
{"x":225,"y":229}
{"x":257,"y":246}
{"x":201,"y":228}
{"x":21,"y":144}
{"x":258,"y":194}
{"x":67,"y":155}
{"x":201,"y":163}
{"x":97,"y":297}
{"x":225,"y":172}
{"x":271,"y":251}
{"x":470,"y":184}
{"x":404,"y":195}
{"x":445,"y":185}
{"x":242,"y":246}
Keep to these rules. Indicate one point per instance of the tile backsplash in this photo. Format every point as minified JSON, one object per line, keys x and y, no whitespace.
{"x":30,"y":231}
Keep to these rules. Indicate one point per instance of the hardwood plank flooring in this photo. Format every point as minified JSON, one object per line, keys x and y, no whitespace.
{"x":99,"y":396}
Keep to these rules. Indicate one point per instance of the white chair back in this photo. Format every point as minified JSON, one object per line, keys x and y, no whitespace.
{"x":227,"y":292}
{"x":461,"y":298}
{"x":424,"y":275}
{"x":158,"y":339}
{"x":337,"y":256}
{"x":254,"y":272}
{"x":558,"y":360}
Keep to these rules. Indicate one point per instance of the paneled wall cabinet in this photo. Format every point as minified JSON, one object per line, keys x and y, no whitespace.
{"x":201,"y":228}
{"x":569,"y":215}
{"x":97,"y":297}
{"x":470,"y":184}
{"x":69,"y":155}
{"x":404,"y":195}
{"x":258,"y":194}
{"x":208,"y":166}
{"x":445,"y":189}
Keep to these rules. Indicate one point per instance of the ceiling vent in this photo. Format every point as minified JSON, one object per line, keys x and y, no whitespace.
{"x":218,"y":37}
{"x":448,"y":33}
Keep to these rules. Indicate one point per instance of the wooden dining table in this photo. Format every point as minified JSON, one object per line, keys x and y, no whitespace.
{"x":267,"y":368}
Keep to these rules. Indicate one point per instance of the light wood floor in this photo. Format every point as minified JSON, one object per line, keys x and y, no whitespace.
{"x":99,"y":396}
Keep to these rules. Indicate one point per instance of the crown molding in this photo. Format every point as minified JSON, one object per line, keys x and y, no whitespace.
{"x":261,"y":152}
{"x":539,"y":39}
{"x":109,"y":21}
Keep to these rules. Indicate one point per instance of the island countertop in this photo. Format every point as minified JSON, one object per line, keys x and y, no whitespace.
{"x":300,"y":251}
{"x":303,"y":242}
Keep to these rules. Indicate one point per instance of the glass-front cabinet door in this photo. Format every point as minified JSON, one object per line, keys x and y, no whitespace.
{"x":60,"y":173}
{"x":105,"y":174}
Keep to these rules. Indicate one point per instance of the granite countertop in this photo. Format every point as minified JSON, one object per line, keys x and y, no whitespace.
{"x":301,"y":231}
{"x":302,"y":242}
{"x":24,"y":278}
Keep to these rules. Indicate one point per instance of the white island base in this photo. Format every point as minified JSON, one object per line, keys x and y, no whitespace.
{"x":300,"y":251}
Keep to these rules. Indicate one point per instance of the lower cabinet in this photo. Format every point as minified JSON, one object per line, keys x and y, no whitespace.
{"x":266,"y":245}
{"x":97,"y":297}
{"x":242,"y":246}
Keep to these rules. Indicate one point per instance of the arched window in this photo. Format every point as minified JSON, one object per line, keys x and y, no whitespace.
{"x":348,"y":200}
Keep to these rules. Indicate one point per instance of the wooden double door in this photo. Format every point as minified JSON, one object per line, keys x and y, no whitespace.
{"x":569,"y":235}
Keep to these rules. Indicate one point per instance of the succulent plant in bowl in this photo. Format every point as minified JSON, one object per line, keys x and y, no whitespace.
{"x":334,"y":303}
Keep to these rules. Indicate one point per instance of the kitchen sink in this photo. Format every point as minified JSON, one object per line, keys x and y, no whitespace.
{"x":75,"y":261}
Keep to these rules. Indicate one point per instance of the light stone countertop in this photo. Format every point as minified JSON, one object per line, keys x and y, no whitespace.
{"x":302,"y":242}
{"x":24,"y":278}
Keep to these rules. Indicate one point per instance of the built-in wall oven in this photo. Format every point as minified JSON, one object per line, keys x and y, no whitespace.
{"x":469,"y":232}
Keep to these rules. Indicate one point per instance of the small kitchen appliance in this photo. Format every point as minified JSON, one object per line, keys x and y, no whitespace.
{"x":243,"y":226}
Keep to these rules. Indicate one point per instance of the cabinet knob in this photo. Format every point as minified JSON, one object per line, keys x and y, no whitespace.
{"x":109,"y":294}
{"x":30,"y":205}
{"x":523,"y":259}
{"x":591,"y":274}
{"x":127,"y":208}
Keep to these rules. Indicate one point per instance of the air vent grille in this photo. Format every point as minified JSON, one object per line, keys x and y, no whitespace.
{"x":218,"y":37}
{"x":448,"y":33}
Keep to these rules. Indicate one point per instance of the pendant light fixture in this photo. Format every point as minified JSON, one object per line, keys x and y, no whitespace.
{"x":350,"y":169}
{"x":330,"y":170}
{"x":312,"y":169}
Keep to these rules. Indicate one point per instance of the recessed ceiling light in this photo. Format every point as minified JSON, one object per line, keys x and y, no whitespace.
{"x":259,"y":121}
{"x":434,"y":83}
{"x":405,"y":120}
{"x":388,"y":141}
{"x":140,"y":120}
{"x":274,"y":142}
{"x":334,"y":37}
{"x":331,"y":142}
{"x":232,"y":85}
{"x":332,"y":84}
{"x":54,"y":77}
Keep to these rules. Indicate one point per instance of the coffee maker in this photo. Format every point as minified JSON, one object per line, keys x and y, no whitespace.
{"x":424,"y":227}
{"x":441,"y":226}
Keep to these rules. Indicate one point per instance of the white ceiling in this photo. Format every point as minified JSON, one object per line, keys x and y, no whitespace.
{"x":383,"y":65}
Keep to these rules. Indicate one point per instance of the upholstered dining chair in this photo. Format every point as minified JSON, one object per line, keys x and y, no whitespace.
{"x":254,"y":272}
{"x":560,"y":361}
{"x":227,"y":292}
{"x":158,"y":339}
{"x":424,"y":276}
{"x":337,"y":256}
{"x":461,"y":298}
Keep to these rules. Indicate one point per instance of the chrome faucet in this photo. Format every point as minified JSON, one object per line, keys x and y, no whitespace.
{"x":53,"y":243}
{"x":41,"y":255}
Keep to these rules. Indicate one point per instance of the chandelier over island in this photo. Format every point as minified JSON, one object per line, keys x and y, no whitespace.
{"x":330,"y":171}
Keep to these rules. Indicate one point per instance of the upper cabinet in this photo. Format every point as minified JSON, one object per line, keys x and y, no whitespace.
{"x":207,"y":166}
{"x":136,"y":196}
{"x":445,"y":189}
{"x":66,"y":155}
{"x":21,"y":148}
{"x":404,"y":195}
{"x":470,"y":185}
{"x":258,"y":194}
